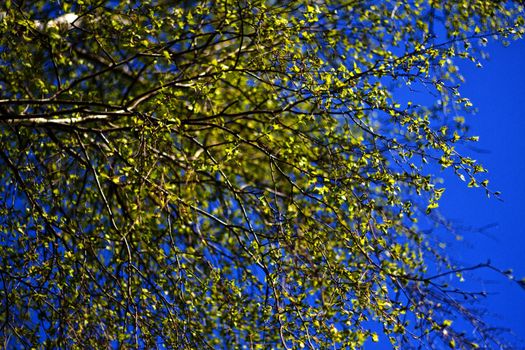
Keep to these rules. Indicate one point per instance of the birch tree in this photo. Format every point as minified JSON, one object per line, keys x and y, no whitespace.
{"x":236,"y":174}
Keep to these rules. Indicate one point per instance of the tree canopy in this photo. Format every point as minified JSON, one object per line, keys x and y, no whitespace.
{"x":236,"y":174}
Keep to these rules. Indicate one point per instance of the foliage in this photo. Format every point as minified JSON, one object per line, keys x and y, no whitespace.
{"x":234,"y":173}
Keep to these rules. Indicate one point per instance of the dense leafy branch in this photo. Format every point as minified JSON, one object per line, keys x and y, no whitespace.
{"x":235,"y":173}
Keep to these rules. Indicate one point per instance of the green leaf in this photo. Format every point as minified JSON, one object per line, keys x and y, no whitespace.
{"x":375,"y":337}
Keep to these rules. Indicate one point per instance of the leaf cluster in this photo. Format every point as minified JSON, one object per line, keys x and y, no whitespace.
{"x":234,"y":173}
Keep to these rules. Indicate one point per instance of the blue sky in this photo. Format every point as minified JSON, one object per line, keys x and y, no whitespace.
{"x":498,"y":92}
{"x":492,"y":229}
